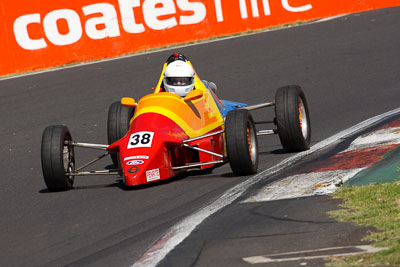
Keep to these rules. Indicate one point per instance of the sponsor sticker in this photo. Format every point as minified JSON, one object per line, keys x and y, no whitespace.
{"x":133,"y":169}
{"x":136,"y":157}
{"x":135,"y":162}
{"x":140,"y":139}
{"x":153,"y":175}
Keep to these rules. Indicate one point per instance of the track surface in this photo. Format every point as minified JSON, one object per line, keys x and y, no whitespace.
{"x":348,"y":68}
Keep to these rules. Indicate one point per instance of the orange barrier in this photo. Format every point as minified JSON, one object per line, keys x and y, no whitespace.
{"x":46,"y":33}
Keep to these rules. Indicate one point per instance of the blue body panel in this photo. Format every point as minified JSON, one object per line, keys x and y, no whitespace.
{"x":224,"y":106}
{"x":230,"y":105}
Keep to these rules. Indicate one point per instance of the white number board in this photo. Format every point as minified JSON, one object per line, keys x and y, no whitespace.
{"x":140,"y":139}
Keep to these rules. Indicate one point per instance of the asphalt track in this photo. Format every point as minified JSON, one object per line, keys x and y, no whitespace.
{"x":348,"y":68}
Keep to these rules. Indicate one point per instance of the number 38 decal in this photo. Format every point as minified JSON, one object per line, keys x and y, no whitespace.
{"x":140,"y":139}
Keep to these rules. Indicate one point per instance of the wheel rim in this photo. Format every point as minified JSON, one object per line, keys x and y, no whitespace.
{"x":68,"y":159}
{"x":251,"y":141}
{"x":303,"y":119}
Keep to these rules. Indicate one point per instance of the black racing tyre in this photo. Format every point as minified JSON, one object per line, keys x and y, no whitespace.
{"x":292,"y":118}
{"x":241,"y":142}
{"x":58,"y":158}
{"x":118,"y":120}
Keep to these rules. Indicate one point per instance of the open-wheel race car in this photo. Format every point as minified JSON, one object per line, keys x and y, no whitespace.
{"x":166,"y":133}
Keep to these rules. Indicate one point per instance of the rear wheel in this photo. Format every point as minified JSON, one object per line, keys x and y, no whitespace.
{"x":241,"y":142}
{"x":58,"y":159}
{"x":118,"y":120}
{"x":292,"y":118}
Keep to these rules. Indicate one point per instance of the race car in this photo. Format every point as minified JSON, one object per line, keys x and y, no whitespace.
{"x":167,"y":132}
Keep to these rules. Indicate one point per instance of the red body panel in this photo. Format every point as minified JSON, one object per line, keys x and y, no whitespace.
{"x":213,"y":143}
{"x":141,"y":164}
{"x":163,"y":149}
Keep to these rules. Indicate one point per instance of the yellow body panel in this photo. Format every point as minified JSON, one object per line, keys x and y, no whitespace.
{"x":196,"y":117}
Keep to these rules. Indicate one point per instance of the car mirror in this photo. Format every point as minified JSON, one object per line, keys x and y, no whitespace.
{"x":128,"y":102}
{"x":193,"y":95}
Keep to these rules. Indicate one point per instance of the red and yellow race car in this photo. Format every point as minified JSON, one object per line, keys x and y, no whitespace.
{"x":164,"y":134}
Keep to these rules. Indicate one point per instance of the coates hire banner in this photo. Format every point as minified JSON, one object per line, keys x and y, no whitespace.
{"x":44,"y":33}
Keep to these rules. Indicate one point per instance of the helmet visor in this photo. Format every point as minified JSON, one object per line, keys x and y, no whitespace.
{"x":179,"y":81}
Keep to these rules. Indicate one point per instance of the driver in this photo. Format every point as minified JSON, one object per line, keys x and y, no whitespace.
{"x":179,"y":78}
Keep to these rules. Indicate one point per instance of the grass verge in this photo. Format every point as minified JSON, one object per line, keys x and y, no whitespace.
{"x":376,"y":205}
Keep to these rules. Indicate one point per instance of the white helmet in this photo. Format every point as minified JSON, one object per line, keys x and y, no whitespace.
{"x":179,"y":78}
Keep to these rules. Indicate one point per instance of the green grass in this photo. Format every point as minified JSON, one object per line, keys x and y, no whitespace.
{"x":376,"y":205}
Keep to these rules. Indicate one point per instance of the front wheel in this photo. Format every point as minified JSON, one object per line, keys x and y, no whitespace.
{"x":58,"y":159}
{"x":292,"y":118}
{"x":118,"y":121}
{"x":241,"y":142}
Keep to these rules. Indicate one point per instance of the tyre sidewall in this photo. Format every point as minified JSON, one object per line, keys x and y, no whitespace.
{"x":240,"y":160}
{"x":118,"y":123}
{"x":53,"y":169}
{"x":287,"y":118}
